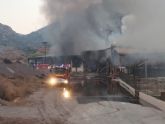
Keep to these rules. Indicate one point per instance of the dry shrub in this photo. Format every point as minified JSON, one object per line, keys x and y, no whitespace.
{"x":17,"y":87}
{"x":7,"y":90}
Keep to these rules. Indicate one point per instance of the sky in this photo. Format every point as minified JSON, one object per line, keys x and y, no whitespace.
{"x":23,"y":16}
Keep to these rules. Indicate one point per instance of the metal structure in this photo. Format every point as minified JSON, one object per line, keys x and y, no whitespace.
{"x":45,"y":50}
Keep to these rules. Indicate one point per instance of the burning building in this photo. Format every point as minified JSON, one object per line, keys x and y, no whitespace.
{"x":95,"y":61}
{"x":74,"y":60}
{"x":142,"y":64}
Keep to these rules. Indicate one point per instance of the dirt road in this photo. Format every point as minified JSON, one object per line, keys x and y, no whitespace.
{"x":43,"y":107}
{"x":48,"y":106}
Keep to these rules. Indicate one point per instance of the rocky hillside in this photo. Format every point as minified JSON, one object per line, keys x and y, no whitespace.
{"x":26,"y":43}
{"x":8,"y":37}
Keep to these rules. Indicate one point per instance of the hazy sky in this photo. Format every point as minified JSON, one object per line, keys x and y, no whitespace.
{"x":24,"y":16}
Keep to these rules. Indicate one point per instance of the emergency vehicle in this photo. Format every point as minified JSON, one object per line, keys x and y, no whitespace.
{"x":59,"y":76}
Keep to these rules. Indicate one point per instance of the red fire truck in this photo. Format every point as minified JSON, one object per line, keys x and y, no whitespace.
{"x":59,"y":76}
{"x":42,"y":66}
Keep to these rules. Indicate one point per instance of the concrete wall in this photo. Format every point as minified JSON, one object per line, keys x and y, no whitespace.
{"x":143,"y":98}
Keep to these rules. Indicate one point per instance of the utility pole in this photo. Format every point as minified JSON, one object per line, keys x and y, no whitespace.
{"x":45,"y":50}
{"x":146,"y":68}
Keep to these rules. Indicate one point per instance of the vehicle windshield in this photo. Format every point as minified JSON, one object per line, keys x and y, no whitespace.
{"x":59,"y":71}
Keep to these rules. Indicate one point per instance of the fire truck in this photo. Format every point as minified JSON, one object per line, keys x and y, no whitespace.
{"x":59,"y":76}
{"x":42,"y":66}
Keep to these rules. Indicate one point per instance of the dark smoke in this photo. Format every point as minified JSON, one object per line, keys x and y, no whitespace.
{"x":82,"y":25}
{"x":90,"y":25}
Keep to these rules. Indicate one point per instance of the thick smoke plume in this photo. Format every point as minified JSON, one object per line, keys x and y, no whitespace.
{"x":79,"y":25}
{"x":144,"y":27}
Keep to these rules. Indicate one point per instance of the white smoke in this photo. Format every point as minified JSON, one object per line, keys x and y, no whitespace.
{"x":144,"y":27}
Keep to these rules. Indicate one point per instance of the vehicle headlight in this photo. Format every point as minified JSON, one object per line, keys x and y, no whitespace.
{"x":52,"y":81}
{"x":66,"y":81}
{"x":66,"y":93}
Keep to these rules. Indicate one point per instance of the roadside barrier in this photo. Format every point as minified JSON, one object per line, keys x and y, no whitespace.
{"x":143,"y":98}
